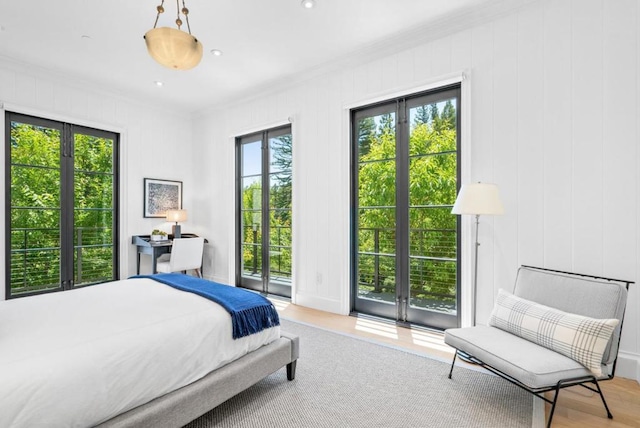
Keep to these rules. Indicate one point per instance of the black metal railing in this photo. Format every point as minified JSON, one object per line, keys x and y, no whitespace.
{"x":36,"y":257}
{"x":279,"y":251}
{"x":432,"y":262}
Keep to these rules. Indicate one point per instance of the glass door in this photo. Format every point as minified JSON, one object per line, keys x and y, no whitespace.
{"x":95,"y":208}
{"x":264,"y":224}
{"x":34,"y":200}
{"x":405,"y":238}
{"x":61,"y":205}
{"x":433,"y":238}
{"x":376,"y":257}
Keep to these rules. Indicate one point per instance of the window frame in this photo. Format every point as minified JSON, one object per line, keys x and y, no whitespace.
{"x":67,"y":199}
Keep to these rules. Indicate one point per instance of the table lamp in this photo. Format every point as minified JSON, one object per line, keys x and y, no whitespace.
{"x":176,"y":215}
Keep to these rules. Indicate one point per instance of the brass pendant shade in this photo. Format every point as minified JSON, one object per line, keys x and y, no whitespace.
{"x":172,"y":47}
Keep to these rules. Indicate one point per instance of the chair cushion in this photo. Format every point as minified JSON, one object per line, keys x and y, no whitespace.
{"x":581,"y":338}
{"x":529,"y":363}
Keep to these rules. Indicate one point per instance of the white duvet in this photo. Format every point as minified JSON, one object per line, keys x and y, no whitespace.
{"x":78,"y":358}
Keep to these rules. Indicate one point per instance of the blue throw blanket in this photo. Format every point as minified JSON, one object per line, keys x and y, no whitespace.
{"x":250,"y":312}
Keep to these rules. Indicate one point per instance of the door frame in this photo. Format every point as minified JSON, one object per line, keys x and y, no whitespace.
{"x":68,"y":128}
{"x":401,"y":308}
{"x":264,"y":285}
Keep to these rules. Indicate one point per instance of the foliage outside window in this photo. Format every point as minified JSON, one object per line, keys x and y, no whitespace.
{"x":406,"y":183}
{"x":59,"y":179}
{"x":266,"y":257}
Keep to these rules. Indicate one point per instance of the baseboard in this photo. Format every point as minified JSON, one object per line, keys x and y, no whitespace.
{"x":319,"y":303}
{"x":218,"y":279}
{"x":628,"y":365}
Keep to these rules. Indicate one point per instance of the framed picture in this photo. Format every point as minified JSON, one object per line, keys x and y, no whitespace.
{"x":161,"y":196}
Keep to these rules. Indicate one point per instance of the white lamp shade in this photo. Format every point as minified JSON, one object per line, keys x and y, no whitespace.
{"x":176,"y":215}
{"x":478,"y":199}
{"x":173,"y":48}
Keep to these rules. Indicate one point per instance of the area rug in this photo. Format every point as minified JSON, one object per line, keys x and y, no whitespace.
{"x":344,"y":381}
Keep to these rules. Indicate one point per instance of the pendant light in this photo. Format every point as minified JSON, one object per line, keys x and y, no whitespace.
{"x":172,"y":47}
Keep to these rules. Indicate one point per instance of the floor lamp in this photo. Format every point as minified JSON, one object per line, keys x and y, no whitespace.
{"x":477,"y":199}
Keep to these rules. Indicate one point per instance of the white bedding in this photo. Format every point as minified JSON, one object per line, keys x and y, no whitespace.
{"x":78,"y":358}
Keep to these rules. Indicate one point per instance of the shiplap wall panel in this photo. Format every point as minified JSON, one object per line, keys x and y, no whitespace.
{"x":25,"y":88}
{"x":542,"y":102}
{"x":79,"y":103}
{"x":325,"y":177}
{"x":7,"y":85}
{"x":310,"y":203}
{"x":619,"y":79}
{"x":62,"y":99}
{"x":588,"y":147}
{"x":109,"y":110}
{"x":45,"y":95}
{"x":338,"y":248}
{"x":461,"y":51}
{"x":634,"y":293}
{"x":347,"y":85}
{"x":422,"y":61}
{"x":621,"y":140}
{"x":530,"y":134}
{"x":406,"y":70}
{"x":94,"y":107}
{"x":481,"y":147}
{"x":556,"y":138}
{"x":388,"y":73}
{"x":441,"y":56}
{"x":361,"y":81}
{"x":505,"y":140}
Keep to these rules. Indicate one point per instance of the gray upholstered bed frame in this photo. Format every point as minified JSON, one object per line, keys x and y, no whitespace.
{"x":180,"y":407}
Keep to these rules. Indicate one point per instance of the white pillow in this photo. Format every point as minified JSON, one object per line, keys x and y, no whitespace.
{"x":578,"y":337}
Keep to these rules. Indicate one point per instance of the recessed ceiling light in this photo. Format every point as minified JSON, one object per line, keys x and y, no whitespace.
{"x":216,"y":52}
{"x":158,"y":83}
{"x":308,"y":4}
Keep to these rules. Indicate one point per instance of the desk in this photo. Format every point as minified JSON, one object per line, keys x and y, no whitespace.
{"x":155,"y":249}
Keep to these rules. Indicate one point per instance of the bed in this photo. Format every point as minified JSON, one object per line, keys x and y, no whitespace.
{"x":128,"y":353}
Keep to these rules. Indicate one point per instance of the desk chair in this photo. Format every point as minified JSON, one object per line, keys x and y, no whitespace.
{"x":186,"y":254}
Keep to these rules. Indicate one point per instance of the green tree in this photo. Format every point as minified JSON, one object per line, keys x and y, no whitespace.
{"x":432,"y":184}
{"x":422,"y":116}
{"x":35,"y":204}
{"x":449,"y":116}
{"x":387,"y":124}
{"x":366,"y":133}
{"x":280,"y":222}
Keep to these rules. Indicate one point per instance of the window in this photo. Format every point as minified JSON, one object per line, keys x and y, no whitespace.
{"x":404,"y":183}
{"x":62,"y":205}
{"x":264,"y":232}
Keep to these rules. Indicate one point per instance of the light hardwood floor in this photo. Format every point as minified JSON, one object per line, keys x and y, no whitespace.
{"x":577,"y":406}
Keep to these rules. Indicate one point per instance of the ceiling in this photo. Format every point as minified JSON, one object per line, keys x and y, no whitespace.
{"x":265,"y":43}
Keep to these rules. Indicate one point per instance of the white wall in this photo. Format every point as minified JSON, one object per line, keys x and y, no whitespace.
{"x":553,"y":120}
{"x":155,"y":143}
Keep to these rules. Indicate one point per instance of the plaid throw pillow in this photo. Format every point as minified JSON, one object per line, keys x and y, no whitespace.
{"x":578,"y":337}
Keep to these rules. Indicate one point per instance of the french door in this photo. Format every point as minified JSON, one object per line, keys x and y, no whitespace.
{"x":61,"y":203}
{"x":263,"y":230}
{"x":405,"y":262}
